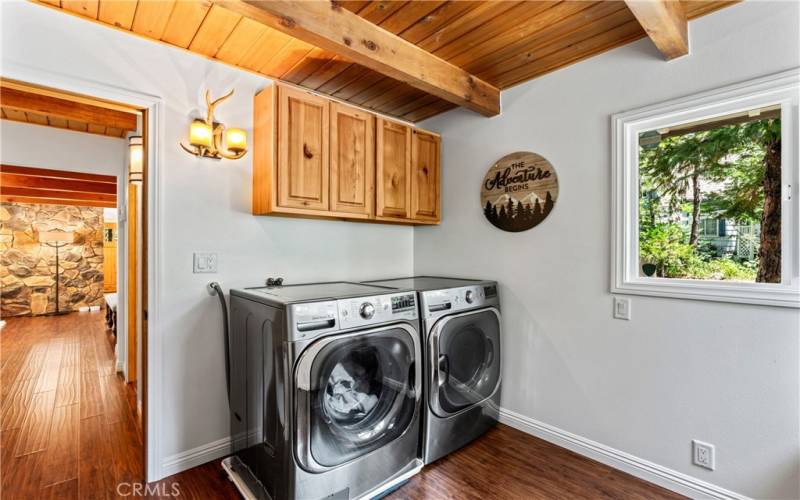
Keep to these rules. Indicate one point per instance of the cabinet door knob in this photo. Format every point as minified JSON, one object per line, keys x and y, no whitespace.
{"x":307,"y":152}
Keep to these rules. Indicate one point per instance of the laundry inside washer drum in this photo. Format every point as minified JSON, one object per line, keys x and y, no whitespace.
{"x":347,"y":398}
{"x":364,"y":398}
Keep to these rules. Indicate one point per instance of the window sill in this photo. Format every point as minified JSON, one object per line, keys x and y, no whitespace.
{"x":767,"y":294}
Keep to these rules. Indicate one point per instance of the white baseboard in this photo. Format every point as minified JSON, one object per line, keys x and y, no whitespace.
{"x":196,"y":456}
{"x":643,"y":469}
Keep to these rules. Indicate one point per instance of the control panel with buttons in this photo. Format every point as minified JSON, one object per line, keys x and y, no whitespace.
{"x":439,"y":302}
{"x":377,"y":309}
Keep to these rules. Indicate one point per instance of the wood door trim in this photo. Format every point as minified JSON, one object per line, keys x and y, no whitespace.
{"x":132,"y":277}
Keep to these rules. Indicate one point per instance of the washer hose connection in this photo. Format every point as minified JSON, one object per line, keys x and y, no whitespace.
{"x":214,"y":288}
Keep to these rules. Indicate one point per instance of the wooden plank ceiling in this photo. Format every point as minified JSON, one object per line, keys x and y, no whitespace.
{"x":502,"y":43}
{"x":41,"y":107}
{"x":56,"y":187}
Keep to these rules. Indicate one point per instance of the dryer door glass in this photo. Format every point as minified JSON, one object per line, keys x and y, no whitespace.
{"x":362,"y":394}
{"x":465,"y":361}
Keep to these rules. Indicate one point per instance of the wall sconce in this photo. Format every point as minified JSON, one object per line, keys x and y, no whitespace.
{"x":136,"y":159}
{"x":205,"y":136}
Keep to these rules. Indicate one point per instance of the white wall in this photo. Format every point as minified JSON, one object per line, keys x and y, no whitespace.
{"x":206,"y":206}
{"x":679,"y":370}
{"x":31,"y":145}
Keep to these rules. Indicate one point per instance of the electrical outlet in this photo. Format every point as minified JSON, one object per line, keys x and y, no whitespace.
{"x":622,"y":308}
{"x":204,"y":262}
{"x":703,"y":454}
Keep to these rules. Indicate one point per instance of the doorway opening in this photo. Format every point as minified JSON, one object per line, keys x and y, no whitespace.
{"x":73,"y":252}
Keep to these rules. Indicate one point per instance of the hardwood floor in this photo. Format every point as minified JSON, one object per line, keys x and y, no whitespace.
{"x":508,"y":464}
{"x":68,"y":427}
{"x":503,"y":464}
{"x":69,"y":430}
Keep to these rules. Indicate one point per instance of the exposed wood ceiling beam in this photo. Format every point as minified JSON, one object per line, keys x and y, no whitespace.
{"x":331,"y":27}
{"x":56,"y":201}
{"x":50,"y":194}
{"x":56,"y":187}
{"x":60,"y":174}
{"x":36,"y":182}
{"x":30,"y":102}
{"x":665,"y":23}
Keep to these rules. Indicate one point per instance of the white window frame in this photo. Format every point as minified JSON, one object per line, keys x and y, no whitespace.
{"x":781,"y":88}
{"x":705,"y":233}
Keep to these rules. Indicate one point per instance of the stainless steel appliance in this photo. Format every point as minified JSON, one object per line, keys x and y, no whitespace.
{"x":461,"y":327}
{"x":325,"y":392}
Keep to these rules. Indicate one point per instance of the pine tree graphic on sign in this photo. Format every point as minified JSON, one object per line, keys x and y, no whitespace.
{"x":519,"y":191}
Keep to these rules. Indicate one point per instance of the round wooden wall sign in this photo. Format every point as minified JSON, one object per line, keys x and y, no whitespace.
{"x":519,"y":191}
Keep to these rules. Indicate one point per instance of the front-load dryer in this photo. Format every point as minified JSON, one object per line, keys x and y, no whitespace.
{"x":326,"y":384}
{"x":461,"y":328}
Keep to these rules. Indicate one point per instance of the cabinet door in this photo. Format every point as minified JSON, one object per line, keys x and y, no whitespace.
{"x":425,"y":176}
{"x":352,"y":161}
{"x":302,"y":150}
{"x":393,"y":172}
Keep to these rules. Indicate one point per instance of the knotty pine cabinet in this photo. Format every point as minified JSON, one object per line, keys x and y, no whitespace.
{"x":425,"y":148}
{"x":352,"y":161}
{"x":313,"y":157}
{"x":303,"y":153}
{"x":393,"y":173}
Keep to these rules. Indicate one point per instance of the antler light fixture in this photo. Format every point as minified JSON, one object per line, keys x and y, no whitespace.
{"x":205,"y":136}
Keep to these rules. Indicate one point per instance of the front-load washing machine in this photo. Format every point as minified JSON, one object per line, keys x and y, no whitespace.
{"x":325,"y":390}
{"x":461,"y":328}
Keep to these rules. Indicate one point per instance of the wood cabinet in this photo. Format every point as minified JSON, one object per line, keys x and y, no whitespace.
{"x":352,"y":177}
{"x":393,"y":172}
{"x":317,"y":158}
{"x":303,"y":161}
{"x":109,"y":257}
{"x":425,"y":148}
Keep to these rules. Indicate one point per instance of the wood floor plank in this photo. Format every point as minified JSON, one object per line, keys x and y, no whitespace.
{"x":96,"y":472}
{"x":34,"y":362}
{"x":113,"y":398}
{"x":15,"y":407}
{"x":126,"y":462}
{"x":72,"y":354}
{"x":69,"y":385}
{"x":8,"y":443}
{"x":91,"y":399}
{"x":106,"y":364}
{"x":66,"y":490}
{"x":61,"y":459}
{"x":14,"y":359}
{"x":35,"y":431}
{"x":21,"y":477}
{"x":88,"y":354}
{"x":48,"y":378}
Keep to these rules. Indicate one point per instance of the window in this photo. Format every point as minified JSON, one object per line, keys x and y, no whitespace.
{"x":705,"y":195}
{"x":709,"y":228}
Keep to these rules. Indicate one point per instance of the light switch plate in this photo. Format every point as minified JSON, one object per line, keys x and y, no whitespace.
{"x":204,"y":262}
{"x":622,"y":308}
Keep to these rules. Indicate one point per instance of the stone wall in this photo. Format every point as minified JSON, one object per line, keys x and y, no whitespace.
{"x":28,"y":268}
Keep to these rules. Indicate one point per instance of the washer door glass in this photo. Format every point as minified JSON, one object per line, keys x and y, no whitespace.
{"x":466,"y":360}
{"x":362,"y":394}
